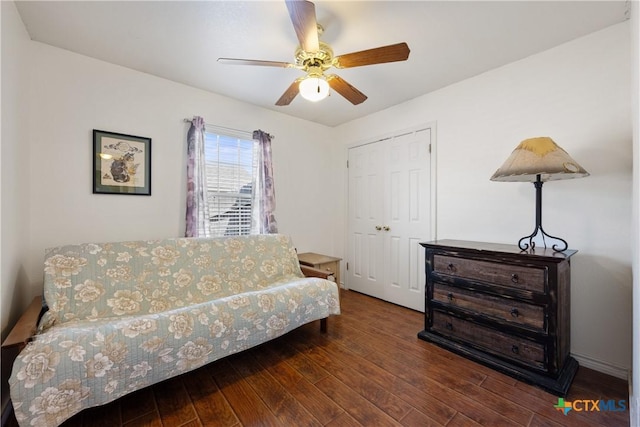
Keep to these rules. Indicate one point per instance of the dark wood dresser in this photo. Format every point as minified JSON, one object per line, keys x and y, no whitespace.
{"x":503,"y":307}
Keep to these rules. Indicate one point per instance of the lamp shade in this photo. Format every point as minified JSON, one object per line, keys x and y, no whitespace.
{"x":539,"y":156}
{"x":314,"y":88}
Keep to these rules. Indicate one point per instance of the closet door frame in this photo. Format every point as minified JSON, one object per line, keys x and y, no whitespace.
{"x":431,"y":127}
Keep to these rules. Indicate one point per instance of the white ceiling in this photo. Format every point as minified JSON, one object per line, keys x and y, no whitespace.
{"x":181,"y":40}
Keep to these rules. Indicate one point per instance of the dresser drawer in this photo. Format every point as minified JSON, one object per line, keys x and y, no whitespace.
{"x":491,"y":341}
{"x":504,"y":309}
{"x":513,"y":276}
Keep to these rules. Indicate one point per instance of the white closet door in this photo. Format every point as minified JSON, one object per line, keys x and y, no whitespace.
{"x":389,"y":215}
{"x":365,"y":272}
{"x":407,"y":217}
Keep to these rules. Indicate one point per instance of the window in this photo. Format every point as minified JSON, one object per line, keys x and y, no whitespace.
{"x":231,"y":174}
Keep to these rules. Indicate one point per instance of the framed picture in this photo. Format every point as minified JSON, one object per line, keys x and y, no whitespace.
{"x":121,"y":164}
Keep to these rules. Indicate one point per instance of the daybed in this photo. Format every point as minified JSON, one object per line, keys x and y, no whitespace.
{"x":123,"y":316}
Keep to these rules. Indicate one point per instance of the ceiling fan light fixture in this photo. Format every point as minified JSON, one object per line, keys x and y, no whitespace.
{"x":314,"y":58}
{"x":314,"y":88}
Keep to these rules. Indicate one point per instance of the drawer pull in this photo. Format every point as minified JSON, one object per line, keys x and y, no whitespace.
{"x":515,"y":312}
{"x":515,"y":349}
{"x":449,"y":326}
{"x":450,"y":296}
{"x":514,"y":278}
{"x":450,"y":267}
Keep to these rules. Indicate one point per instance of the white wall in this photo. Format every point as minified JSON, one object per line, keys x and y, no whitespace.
{"x":14,"y":226}
{"x":635,"y":235}
{"x":73,"y":94}
{"x":578,"y":94}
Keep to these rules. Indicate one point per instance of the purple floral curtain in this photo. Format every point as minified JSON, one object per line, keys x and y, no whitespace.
{"x":265,"y":194}
{"x":197,"y":203}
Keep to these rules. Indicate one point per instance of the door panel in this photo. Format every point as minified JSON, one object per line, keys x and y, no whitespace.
{"x":416,"y":267}
{"x":365,"y":214}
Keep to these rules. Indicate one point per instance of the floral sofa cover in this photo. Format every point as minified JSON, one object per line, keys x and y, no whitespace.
{"x":123,"y":316}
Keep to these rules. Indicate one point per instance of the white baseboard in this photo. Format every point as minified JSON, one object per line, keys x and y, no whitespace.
{"x":604,"y":367}
{"x":634,"y":411}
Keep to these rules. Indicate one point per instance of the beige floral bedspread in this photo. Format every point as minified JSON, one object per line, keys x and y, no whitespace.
{"x":123,"y":316}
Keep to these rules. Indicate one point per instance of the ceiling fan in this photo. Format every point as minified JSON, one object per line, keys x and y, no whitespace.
{"x":315,"y":57}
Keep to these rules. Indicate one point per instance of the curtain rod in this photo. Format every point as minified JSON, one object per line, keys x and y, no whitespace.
{"x":223,"y":128}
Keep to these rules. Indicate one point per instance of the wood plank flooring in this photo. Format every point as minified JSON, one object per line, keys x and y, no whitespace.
{"x":369,"y":369}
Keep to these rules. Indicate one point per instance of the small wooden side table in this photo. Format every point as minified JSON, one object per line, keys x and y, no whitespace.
{"x":323,"y":262}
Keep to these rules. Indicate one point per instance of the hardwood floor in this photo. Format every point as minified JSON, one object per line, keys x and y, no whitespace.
{"x":369,"y":369}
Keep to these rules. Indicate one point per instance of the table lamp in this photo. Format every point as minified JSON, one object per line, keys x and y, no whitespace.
{"x":539,"y":160}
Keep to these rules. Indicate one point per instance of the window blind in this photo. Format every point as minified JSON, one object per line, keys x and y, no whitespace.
{"x":231,"y":172}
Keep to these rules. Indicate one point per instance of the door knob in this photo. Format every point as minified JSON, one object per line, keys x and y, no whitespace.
{"x":378,"y":228}
{"x":386,"y":228}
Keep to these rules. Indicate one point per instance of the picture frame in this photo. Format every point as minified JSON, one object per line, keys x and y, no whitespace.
{"x":121,"y":164}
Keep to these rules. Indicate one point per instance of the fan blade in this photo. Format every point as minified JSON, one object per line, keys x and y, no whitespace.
{"x":341,"y":86}
{"x":303,"y":17}
{"x":237,"y":61}
{"x":289,"y":94}
{"x":378,"y":55}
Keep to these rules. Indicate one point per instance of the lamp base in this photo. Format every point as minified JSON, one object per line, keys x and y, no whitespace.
{"x":522,"y":244}
{"x":560,"y":246}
